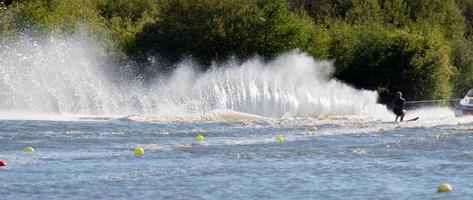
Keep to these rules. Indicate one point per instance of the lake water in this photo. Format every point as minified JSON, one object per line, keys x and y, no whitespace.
{"x":90,"y":157}
{"x":84,"y":116}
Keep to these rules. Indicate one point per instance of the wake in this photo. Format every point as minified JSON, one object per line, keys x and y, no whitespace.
{"x":67,"y":76}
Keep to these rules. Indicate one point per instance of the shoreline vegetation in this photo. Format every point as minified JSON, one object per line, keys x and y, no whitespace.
{"x":423,"y":48}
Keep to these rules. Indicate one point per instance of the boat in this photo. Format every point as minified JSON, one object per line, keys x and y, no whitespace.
{"x":465,"y":105}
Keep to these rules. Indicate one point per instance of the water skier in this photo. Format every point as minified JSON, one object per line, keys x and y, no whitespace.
{"x":398,"y":105}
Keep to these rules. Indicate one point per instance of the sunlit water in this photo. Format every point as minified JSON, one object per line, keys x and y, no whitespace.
{"x":84,"y":120}
{"x":342,"y":159}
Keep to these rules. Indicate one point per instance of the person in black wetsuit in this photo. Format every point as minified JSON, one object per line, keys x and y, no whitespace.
{"x":398,"y":105}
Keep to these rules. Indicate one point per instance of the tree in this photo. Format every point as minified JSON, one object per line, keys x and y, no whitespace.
{"x":216,"y":29}
{"x":377,"y":58}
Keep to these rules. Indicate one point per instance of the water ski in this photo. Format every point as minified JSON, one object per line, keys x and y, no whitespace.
{"x":410,"y":120}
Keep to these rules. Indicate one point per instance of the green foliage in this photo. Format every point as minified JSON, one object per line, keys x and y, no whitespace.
{"x":390,"y":45}
{"x":6,"y":23}
{"x":422,"y":48}
{"x":133,"y":10}
{"x":57,"y":15}
{"x":215,"y":29}
{"x":399,"y":13}
{"x":115,"y":22}
{"x":126,"y":18}
{"x":466,"y":7}
{"x":321,"y":10}
{"x":376,"y":57}
{"x":463,"y":60}
{"x":441,"y":12}
{"x":318,"y":42}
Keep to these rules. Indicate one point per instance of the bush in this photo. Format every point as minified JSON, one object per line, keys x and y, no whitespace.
{"x":56,"y":15}
{"x":384,"y":45}
{"x":379,"y":58}
{"x":6,"y":23}
{"x":216,"y":29}
{"x":125,"y":18}
{"x":398,"y":13}
{"x":114,"y":22}
{"x":463,"y":61}
{"x":466,"y":6}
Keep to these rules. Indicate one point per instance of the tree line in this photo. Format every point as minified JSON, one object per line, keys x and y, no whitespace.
{"x":423,"y":48}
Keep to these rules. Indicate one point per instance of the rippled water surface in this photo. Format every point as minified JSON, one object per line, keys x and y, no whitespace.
{"x":84,"y":116}
{"x":345,"y":158}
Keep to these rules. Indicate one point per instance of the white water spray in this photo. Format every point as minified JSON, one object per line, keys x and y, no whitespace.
{"x":65,"y":76}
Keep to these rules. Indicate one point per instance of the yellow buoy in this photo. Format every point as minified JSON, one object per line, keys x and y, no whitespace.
{"x":312,"y":129}
{"x":279,"y":139}
{"x":139,"y":151}
{"x":444,"y":187}
{"x":382,"y":130}
{"x":199,"y":137}
{"x":29,"y":150}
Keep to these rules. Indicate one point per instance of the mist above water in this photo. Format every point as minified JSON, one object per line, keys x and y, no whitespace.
{"x":67,"y":76}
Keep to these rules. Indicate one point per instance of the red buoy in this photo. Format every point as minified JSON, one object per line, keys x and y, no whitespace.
{"x":3,"y":163}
